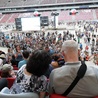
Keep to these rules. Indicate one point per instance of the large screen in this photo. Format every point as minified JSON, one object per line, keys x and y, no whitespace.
{"x":31,"y":23}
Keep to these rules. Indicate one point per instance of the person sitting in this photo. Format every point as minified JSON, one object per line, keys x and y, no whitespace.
{"x":1,"y":52}
{"x":3,"y":83}
{"x":30,"y":77}
{"x":13,"y":61}
{"x":61,"y":78}
{"x":1,"y":62}
{"x":25,"y":57}
{"x":9,"y":55}
{"x":57,"y":60}
{"x":54,"y":62}
{"x":7,"y":71}
{"x":3,"y":57}
{"x":18,"y":54}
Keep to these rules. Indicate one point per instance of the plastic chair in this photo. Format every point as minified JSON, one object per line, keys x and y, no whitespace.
{"x":15,"y":68}
{"x":10,"y":81}
{"x":6,"y":94}
{"x":57,"y":96}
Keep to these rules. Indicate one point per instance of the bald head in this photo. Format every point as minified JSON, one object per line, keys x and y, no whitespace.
{"x":70,"y":51}
{"x":70,"y":45}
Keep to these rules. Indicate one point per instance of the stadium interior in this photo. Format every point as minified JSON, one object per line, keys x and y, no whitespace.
{"x":12,"y":9}
{"x":46,"y":24}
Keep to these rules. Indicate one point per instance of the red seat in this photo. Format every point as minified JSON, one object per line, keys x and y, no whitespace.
{"x":10,"y":81}
{"x":57,"y":96}
{"x":15,"y":68}
{"x":14,"y":65}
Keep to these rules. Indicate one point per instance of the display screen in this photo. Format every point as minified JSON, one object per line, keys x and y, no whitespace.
{"x":32,"y":23}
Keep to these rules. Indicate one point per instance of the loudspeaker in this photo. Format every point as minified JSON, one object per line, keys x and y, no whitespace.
{"x":44,"y":20}
{"x":18,"y":24}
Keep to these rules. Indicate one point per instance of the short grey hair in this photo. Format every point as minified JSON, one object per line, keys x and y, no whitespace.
{"x":70,"y":45}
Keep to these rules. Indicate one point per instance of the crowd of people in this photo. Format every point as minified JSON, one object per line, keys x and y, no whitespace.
{"x":51,"y":56}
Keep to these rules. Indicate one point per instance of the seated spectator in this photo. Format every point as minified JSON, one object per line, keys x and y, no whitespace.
{"x":25,"y":55}
{"x":9,"y":55}
{"x":7,"y":71}
{"x":1,"y":62}
{"x":18,"y":54}
{"x":3,"y":57}
{"x":61,"y":78}
{"x":57,"y":61}
{"x":47,"y":74}
{"x":30,"y":77}
{"x":1,"y":52}
{"x":9,"y":59}
{"x":50,"y":51}
{"x":54,"y":62}
{"x":13,"y":61}
{"x":3,"y":83}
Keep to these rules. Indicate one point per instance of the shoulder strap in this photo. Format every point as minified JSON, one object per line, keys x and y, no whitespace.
{"x":80,"y":74}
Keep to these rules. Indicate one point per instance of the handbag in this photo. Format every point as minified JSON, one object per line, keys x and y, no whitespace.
{"x":80,"y":74}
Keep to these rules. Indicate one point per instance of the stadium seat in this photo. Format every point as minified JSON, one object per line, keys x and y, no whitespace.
{"x":15,"y":68}
{"x":10,"y":81}
{"x":6,"y":94}
{"x":57,"y":96}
